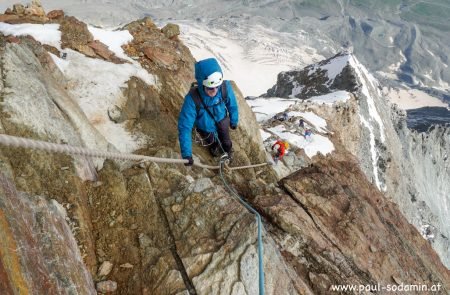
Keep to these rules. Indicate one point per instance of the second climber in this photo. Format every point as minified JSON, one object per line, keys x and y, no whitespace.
{"x":279,"y":150}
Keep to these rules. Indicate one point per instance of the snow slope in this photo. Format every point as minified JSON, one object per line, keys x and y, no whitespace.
{"x":91,"y":79}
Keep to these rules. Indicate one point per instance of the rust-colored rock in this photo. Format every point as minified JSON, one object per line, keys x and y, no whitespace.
{"x":147,"y":21}
{"x":52,"y":49}
{"x":7,"y":18}
{"x":101,"y":49}
{"x":45,"y":245}
{"x":12,"y":39}
{"x":55,"y":14}
{"x":160,"y":57}
{"x":86,"y":50}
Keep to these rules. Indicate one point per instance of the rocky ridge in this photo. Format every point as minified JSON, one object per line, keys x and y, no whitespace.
{"x":167,"y":229}
{"x":411,"y":167}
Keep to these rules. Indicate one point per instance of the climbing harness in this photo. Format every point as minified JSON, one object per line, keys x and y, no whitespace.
{"x":200,"y":140}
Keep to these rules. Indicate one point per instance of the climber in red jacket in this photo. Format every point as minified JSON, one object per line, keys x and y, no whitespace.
{"x":279,"y":149}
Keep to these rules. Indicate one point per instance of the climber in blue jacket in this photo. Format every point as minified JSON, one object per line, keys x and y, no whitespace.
{"x":212,"y":108}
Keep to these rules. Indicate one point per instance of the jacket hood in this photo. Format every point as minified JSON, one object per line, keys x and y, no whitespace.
{"x":206,"y":67}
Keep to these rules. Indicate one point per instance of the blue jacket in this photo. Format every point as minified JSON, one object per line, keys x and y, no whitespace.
{"x":189,"y":117}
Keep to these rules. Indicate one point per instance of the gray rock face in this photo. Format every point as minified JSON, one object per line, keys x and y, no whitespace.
{"x":216,"y":240}
{"x":427,"y":191}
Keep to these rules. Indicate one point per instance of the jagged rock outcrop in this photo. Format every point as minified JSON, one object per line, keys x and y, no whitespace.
{"x":324,"y":77}
{"x":31,"y":13}
{"x":55,"y":14}
{"x":411,"y":168}
{"x":165,"y":228}
{"x":332,"y":226}
{"x":75,"y":35}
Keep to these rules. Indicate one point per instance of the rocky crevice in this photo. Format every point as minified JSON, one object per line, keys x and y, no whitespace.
{"x":366,"y":278}
{"x":173,"y":248}
{"x":2,"y":71}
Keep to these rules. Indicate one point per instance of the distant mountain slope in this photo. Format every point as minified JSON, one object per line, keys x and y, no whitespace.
{"x":400,"y":40}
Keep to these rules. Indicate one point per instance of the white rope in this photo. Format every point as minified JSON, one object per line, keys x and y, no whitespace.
{"x":67,"y":149}
{"x":249,"y":166}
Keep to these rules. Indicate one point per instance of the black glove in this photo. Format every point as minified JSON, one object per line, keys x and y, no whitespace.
{"x":191,"y":161}
{"x":233,"y":127}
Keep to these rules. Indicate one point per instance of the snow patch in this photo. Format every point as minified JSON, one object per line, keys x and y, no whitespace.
{"x":373,"y":153}
{"x":46,"y":34}
{"x":365,"y":79}
{"x":426,"y":232}
{"x":113,"y":39}
{"x":335,"y":66}
{"x":318,"y":144}
{"x":297,"y":88}
{"x":318,"y":122}
{"x":265,"y":135}
{"x":266,"y":108}
{"x":331,"y":98}
{"x":96,"y":86}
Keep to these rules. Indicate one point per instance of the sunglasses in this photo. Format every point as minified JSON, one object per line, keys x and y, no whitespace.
{"x":211,"y":88}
